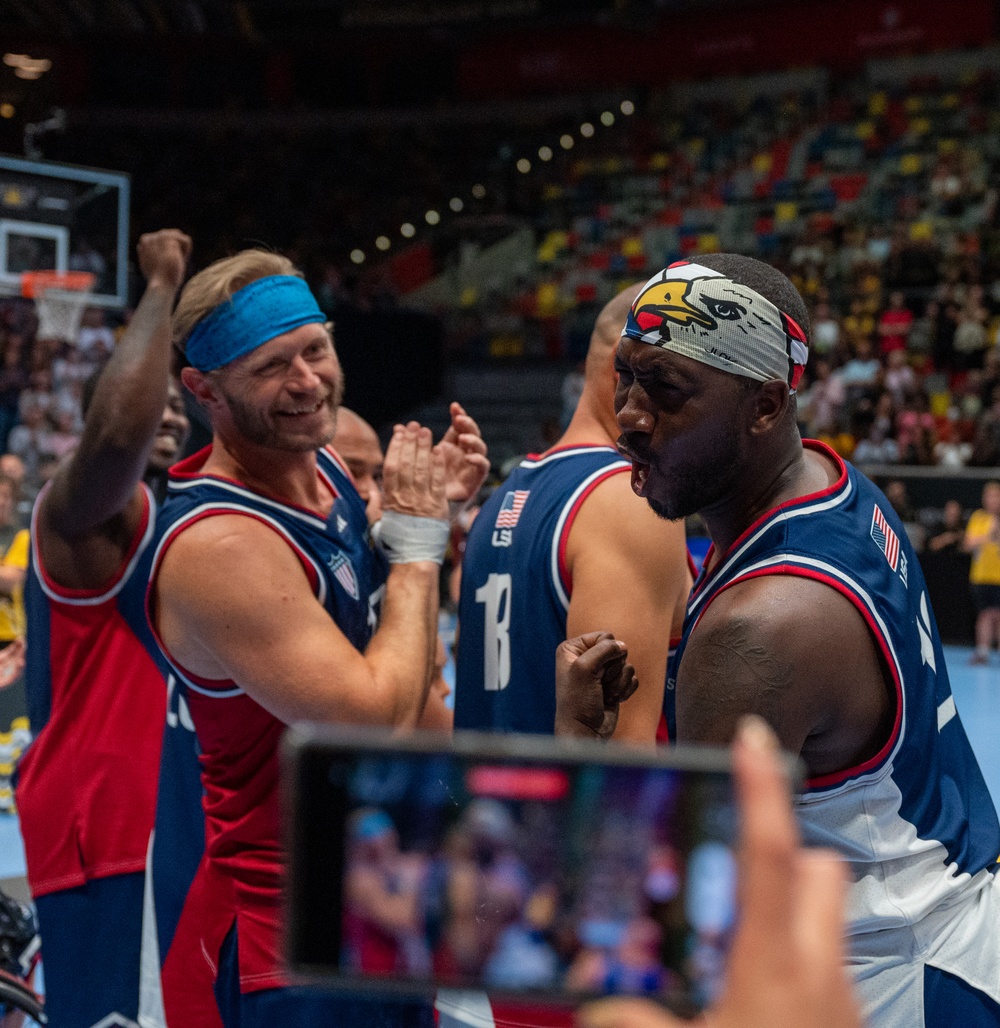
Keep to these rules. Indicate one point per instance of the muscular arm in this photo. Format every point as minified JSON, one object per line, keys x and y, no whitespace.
{"x":630,"y":578}
{"x":233,"y":601}
{"x":94,"y":497}
{"x":796,"y":653}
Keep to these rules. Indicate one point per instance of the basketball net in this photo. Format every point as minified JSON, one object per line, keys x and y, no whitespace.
{"x":60,"y":300}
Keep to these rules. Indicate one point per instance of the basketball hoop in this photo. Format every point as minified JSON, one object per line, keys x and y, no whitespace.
{"x":60,"y":299}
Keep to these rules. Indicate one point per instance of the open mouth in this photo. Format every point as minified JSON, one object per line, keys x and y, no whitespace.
{"x":640,"y":475}
{"x":169,"y":437}
{"x":303,"y":412}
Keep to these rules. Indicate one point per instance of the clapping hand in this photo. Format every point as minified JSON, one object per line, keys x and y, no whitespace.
{"x":464,"y":453}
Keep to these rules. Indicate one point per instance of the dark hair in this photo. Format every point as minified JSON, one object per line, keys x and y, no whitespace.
{"x":763,"y":279}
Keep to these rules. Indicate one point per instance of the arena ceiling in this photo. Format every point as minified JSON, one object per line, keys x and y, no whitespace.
{"x":273,"y":19}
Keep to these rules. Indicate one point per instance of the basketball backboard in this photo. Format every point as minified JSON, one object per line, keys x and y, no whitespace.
{"x":58,"y":217}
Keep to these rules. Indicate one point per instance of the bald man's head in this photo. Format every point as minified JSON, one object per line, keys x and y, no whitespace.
{"x":358,"y":444}
{"x":608,"y":330}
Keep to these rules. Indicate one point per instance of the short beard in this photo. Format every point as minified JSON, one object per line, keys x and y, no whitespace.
{"x":261,"y":430}
{"x":696,"y":489}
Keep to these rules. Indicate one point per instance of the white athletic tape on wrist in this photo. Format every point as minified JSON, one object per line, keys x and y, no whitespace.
{"x":407,"y":539}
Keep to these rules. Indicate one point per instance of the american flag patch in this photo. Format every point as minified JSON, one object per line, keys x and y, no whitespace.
{"x":510,"y":509}
{"x":888,"y":541}
{"x":343,"y":571}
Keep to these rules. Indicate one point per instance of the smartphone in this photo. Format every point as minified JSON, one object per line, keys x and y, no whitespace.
{"x":524,"y":866}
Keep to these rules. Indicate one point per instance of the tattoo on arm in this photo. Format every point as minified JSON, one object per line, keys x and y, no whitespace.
{"x":729,"y":673}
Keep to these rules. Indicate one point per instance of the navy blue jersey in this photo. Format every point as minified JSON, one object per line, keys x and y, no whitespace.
{"x":916,"y":820}
{"x":188,"y":905}
{"x":516,"y":590}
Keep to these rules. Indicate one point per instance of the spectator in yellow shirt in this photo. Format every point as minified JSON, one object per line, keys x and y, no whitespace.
{"x":982,"y":540}
{"x":13,"y":568}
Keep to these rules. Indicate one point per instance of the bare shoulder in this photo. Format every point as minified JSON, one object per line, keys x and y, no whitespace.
{"x":223,"y":553}
{"x":92,"y":557}
{"x":614,"y":514}
{"x":791,"y":649}
{"x":778,"y":620}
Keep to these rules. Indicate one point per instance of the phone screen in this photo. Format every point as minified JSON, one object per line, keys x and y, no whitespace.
{"x":549,"y":877}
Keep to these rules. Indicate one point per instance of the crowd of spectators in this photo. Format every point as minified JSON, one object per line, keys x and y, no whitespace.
{"x":41,"y":391}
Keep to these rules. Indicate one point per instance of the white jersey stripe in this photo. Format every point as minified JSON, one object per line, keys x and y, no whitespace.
{"x":561,"y":454}
{"x":719,"y":573}
{"x":945,"y":712}
{"x":564,"y":514}
{"x":109,"y":594}
{"x":239,"y":491}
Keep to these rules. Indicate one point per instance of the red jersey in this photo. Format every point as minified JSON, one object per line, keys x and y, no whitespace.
{"x":86,"y":786}
{"x":241,"y":874}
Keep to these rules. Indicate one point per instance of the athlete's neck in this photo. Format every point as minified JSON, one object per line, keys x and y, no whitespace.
{"x":793,"y":473}
{"x":287,"y":475}
{"x":590,"y":425}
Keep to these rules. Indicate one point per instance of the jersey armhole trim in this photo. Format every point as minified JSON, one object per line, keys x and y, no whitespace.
{"x":219,"y":688}
{"x":829,"y":781}
{"x":95,"y":597}
{"x":561,"y":576}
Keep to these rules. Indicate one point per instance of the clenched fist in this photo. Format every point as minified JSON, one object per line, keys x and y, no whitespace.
{"x":163,"y":257}
{"x":592,"y":679}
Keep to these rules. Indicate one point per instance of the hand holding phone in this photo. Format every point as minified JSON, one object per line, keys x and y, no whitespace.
{"x":787,"y":963}
{"x":522,"y":866}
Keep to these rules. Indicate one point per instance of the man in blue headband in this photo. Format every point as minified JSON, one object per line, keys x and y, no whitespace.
{"x":812,"y":613}
{"x":264,"y":595}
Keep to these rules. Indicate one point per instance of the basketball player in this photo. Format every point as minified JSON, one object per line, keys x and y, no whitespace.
{"x":813,"y":613}
{"x":359,"y":448}
{"x":261,"y":596}
{"x":86,"y":786}
{"x":540,"y":566}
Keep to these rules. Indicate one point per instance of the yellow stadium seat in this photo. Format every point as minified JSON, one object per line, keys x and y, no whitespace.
{"x":910,"y":164}
{"x":785,"y":212}
{"x":762,"y":163}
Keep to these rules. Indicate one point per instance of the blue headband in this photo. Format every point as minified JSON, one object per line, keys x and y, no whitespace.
{"x":253,"y":315}
{"x":373,"y":825}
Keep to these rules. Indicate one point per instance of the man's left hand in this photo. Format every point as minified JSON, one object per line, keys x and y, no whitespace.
{"x":464,"y":452}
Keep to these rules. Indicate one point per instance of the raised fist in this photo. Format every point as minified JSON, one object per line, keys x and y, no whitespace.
{"x":163,"y":257}
{"x":592,"y":679}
